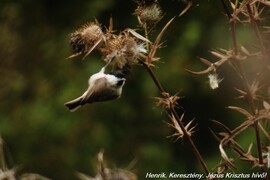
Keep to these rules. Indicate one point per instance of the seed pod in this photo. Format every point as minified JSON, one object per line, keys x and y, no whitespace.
{"x":122,"y":50}
{"x":148,"y":14}
{"x":86,"y":39}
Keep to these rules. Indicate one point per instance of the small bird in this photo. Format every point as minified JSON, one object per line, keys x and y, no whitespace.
{"x":102,"y":87}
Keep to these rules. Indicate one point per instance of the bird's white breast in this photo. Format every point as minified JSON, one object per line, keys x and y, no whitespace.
{"x":94,"y":77}
{"x":111,"y":79}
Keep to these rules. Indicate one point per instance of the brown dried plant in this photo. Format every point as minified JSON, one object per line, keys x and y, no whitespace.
{"x":105,"y":173}
{"x":255,"y":90}
{"x":129,"y":48}
{"x":7,"y":173}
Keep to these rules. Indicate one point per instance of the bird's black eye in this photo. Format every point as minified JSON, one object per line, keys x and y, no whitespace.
{"x":118,"y":74}
{"x":120,"y":82}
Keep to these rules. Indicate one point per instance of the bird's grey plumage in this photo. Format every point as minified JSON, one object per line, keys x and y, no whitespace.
{"x":102,"y":87}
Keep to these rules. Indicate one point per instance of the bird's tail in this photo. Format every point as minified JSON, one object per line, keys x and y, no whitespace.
{"x":75,"y":104}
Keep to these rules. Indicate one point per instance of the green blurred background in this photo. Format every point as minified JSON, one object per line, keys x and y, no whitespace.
{"x":42,"y":136}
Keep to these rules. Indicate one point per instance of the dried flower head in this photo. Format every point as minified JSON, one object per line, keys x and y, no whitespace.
{"x":119,"y":174}
{"x":109,"y":174}
{"x":86,"y":39}
{"x":122,"y":50}
{"x":148,"y":13}
{"x":214,"y":80}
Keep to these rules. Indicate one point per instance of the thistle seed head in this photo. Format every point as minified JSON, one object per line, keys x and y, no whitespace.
{"x":148,"y":14}
{"x":122,"y":50}
{"x":108,"y":173}
{"x":86,"y":39}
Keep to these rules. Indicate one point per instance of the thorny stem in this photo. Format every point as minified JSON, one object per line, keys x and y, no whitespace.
{"x":246,"y":83}
{"x":172,"y":111}
{"x":153,"y":76}
{"x":146,"y":36}
{"x":256,"y":31}
{"x":259,"y":38}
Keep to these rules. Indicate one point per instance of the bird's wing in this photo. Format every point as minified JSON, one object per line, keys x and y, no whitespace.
{"x":99,"y":91}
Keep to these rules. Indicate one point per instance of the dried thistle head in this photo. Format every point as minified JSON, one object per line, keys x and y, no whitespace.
{"x":148,"y":12}
{"x":86,"y":39}
{"x":122,"y":50}
{"x":121,"y":174}
{"x":109,"y":174}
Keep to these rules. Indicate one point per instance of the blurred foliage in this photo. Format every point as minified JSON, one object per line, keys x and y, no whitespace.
{"x":42,"y":136}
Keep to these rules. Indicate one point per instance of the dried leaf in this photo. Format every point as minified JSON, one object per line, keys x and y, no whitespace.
{"x":233,"y":5}
{"x":215,"y":135}
{"x":82,"y":176}
{"x":137,"y":35}
{"x":266,"y":105}
{"x":186,"y":8}
{"x":267,"y":3}
{"x":221,"y":56}
{"x":243,"y":93}
{"x":158,"y":39}
{"x":111,"y":25}
{"x":74,"y":55}
{"x":213,"y":66}
{"x":93,"y":47}
{"x":224,"y":155}
{"x":205,"y":61}
{"x":206,"y":71}
{"x":245,"y":51}
{"x":227,"y":129}
{"x":240,"y":110}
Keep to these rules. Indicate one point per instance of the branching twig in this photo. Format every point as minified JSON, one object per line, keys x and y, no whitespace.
{"x":172,"y":111}
{"x":247,"y":88}
{"x":257,"y":32}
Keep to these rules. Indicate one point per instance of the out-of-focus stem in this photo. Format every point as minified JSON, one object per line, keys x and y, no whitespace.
{"x":265,"y":55}
{"x":257,"y":32}
{"x":172,"y":111}
{"x":247,"y":88}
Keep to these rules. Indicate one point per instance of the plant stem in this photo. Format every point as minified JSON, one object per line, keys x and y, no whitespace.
{"x":153,"y":76}
{"x":172,"y":111}
{"x":257,"y":32}
{"x":146,"y":36}
{"x":263,"y":49}
{"x":247,"y":88}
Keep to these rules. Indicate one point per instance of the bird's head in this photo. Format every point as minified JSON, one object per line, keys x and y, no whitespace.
{"x":120,"y":76}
